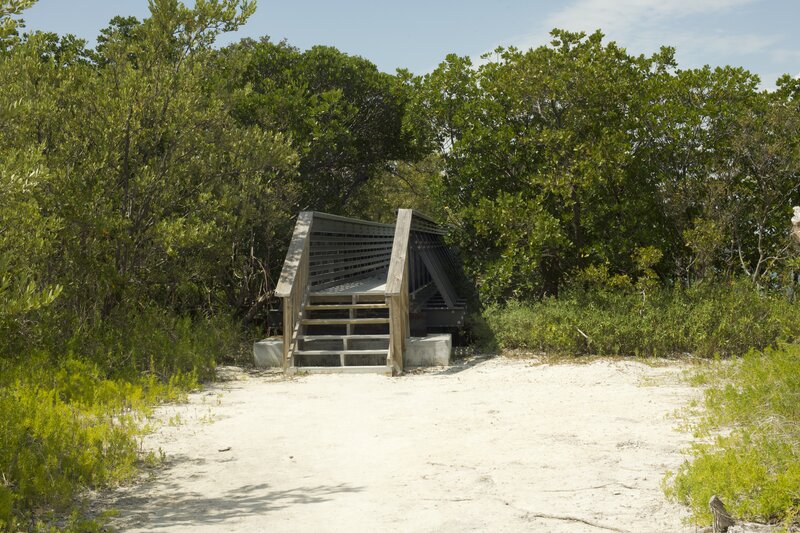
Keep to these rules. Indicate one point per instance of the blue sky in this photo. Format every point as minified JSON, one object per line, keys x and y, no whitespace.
{"x":760,"y":35}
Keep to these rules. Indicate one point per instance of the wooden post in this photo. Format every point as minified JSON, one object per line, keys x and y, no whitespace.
{"x":293,"y":283}
{"x":722,"y":518}
{"x":397,"y":289}
{"x":288,"y":328}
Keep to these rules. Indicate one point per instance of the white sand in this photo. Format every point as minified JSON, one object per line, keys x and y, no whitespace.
{"x":501,"y":445}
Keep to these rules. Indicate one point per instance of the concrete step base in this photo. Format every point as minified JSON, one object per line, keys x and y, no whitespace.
{"x":379,"y":370}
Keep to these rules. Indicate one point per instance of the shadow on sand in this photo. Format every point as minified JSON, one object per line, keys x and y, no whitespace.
{"x":162,"y":505}
{"x":460,"y":365}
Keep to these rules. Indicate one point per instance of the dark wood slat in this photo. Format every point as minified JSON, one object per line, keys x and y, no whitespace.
{"x":324,"y":307}
{"x":340,"y":321}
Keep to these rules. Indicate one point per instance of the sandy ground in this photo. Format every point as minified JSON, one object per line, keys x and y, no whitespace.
{"x":491,"y":445}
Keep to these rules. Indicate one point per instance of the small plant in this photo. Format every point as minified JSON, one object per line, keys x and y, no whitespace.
{"x":175,"y":420}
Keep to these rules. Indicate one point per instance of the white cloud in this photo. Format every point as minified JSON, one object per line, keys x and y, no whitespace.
{"x":643,"y":26}
{"x":624,"y":16}
{"x":691,"y":26}
{"x":698,"y":48}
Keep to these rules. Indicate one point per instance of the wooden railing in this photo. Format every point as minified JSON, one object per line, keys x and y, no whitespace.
{"x":344,"y":249}
{"x":422,"y":264}
{"x":293,"y":283}
{"x":397,"y":290}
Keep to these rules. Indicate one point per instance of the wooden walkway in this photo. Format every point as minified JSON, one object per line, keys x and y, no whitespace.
{"x":354,"y":290}
{"x":370,"y":285}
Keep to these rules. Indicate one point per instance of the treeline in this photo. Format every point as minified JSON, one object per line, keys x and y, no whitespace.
{"x":579,"y":159}
{"x":154,"y":171}
{"x":149,"y":185}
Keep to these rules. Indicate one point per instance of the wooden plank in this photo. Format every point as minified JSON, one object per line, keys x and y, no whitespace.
{"x":319,"y":268}
{"x":346,"y":275}
{"x":323,"y":250}
{"x":338,"y":218}
{"x":343,"y":256}
{"x":342,"y":337}
{"x":377,"y":369}
{"x":432,"y":263}
{"x":351,"y":241}
{"x":342,"y":352}
{"x":397,"y":289}
{"x":365,"y":285}
{"x":337,"y":321}
{"x":353,"y":233}
{"x":352,"y":275}
{"x":288,"y":329}
{"x":294,"y":254}
{"x":324,"y":307}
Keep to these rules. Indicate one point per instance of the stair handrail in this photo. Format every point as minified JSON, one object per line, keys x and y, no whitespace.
{"x":292,"y":285}
{"x":396,"y":291}
{"x":398,"y":265}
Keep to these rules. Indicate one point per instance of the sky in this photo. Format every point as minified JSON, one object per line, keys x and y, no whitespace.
{"x":760,"y":35}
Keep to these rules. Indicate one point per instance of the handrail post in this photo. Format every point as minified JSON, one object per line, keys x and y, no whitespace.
{"x":293,"y":283}
{"x":397,"y":290}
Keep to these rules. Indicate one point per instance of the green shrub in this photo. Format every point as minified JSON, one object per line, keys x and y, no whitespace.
{"x":750,"y":426}
{"x":65,"y":428}
{"x":72,"y":419}
{"x":153,"y":341}
{"x":724,"y":319}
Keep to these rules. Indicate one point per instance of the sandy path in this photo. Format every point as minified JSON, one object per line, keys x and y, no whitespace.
{"x":501,"y":445}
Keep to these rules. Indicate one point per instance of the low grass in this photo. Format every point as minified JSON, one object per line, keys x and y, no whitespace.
{"x":723,"y":319}
{"x":65,"y":428}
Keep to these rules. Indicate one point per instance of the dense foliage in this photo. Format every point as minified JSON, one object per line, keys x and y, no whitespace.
{"x":344,"y":116}
{"x":702,"y":321}
{"x":578,"y":155}
{"x":603,"y":203}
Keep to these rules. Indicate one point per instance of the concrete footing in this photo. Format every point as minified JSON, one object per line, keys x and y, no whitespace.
{"x":268,"y":353}
{"x":433,"y":350}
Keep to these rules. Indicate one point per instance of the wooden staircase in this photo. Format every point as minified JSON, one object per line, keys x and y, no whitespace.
{"x":348,"y":287}
{"x":345,"y":331}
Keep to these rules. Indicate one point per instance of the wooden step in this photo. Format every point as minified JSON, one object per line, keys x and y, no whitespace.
{"x":384,"y":351}
{"x":382,"y":370}
{"x":342,"y":337}
{"x":317,"y":307}
{"x":342,"y":321}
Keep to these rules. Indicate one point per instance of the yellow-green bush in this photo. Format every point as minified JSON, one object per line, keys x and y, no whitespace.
{"x":71,"y":411}
{"x":750,"y":426}
{"x":64,"y":428}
